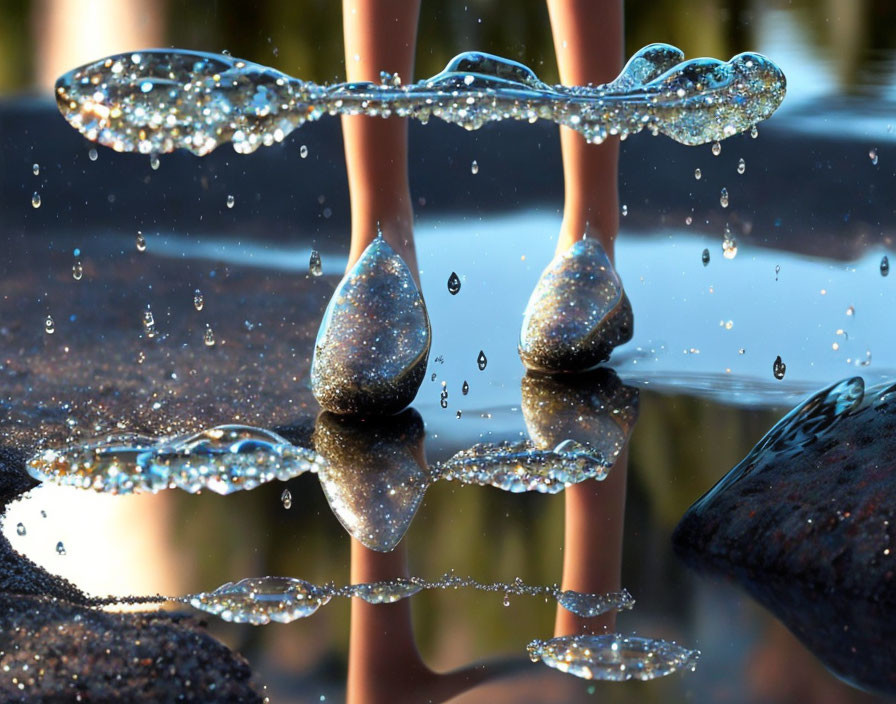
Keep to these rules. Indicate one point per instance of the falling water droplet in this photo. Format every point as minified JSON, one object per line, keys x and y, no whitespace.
{"x":154,"y":162}
{"x":92,"y":154}
{"x":60,"y":548}
{"x":723,"y":198}
{"x":35,"y":169}
{"x":741,"y":166}
{"x":884,"y":266}
{"x":481,"y":360}
{"x":705,"y":257}
{"x":506,"y":598}
{"x":149,"y":323}
{"x":314,"y":264}
{"x":624,"y":210}
{"x":209,"y":336}
{"x":49,"y":325}
{"x":698,"y":174}
{"x":141,"y":242}
{"x":443,"y":401}
{"x":754,"y":131}
{"x":43,"y":514}
{"x":851,"y":310}
{"x":729,"y":244}
{"x":777,"y":271}
{"x":716,"y":148}
{"x":778,"y":368}
{"x":303,"y":151}
{"x":474,"y":167}
{"x":141,"y":357}
{"x":688,"y":220}
{"x":198,"y":299}
{"x":459,"y":415}
{"x":20,"y":529}
{"x":872,"y":154}
{"x":77,"y":270}
{"x":286,"y":499}
{"x":230,"y":201}
{"x":35,"y":200}
{"x":465,"y":389}
{"x":453,"y":284}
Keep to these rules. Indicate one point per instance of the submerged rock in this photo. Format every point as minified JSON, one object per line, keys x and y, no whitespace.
{"x":807,"y":524}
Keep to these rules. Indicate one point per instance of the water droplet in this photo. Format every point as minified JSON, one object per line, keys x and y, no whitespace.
{"x":35,"y":169}
{"x":723,"y":198}
{"x":741,"y":166}
{"x":198,"y":299}
{"x":77,"y":270}
{"x":314,"y":264}
{"x":154,"y":162}
{"x":49,"y":325}
{"x":20,"y":529}
{"x":261,"y":600}
{"x":60,"y":548}
{"x":872,"y":154}
{"x":851,"y":310}
{"x":465,"y":389}
{"x":716,"y":148}
{"x":474,"y":167}
{"x":688,"y":220}
{"x":754,"y":131}
{"x":506,"y":599}
{"x":35,"y":200}
{"x":698,"y":174}
{"x":729,"y":244}
{"x":92,"y":154}
{"x":884,"y":266}
{"x":481,"y":360}
{"x":453,"y":284}
{"x":591,"y":605}
{"x":230,"y":201}
{"x":729,"y":324}
{"x":777,"y":271}
{"x":459,"y":415}
{"x":705,"y":257}
{"x":624,"y":210}
{"x":43,"y":514}
{"x":286,"y":499}
{"x":303,"y":151}
{"x":149,"y":322}
{"x":209,"y":336}
{"x":778,"y":368}
{"x":141,"y":357}
{"x":140,"y":241}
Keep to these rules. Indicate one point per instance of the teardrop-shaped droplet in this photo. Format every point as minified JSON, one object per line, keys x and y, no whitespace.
{"x":286,"y":499}
{"x":465,"y":389}
{"x":373,"y":344}
{"x":49,"y":325}
{"x":230,"y":201}
{"x":577,"y":314}
{"x":303,"y":151}
{"x":77,"y":270}
{"x":723,"y":198}
{"x":777,"y":271}
{"x":474,"y":167}
{"x":729,"y":244}
{"x":314,"y":264}
{"x":481,"y":360}
{"x":60,"y":548}
{"x":453,"y":284}
{"x":698,"y":174}
{"x":385,"y":592}
{"x":716,"y":148}
{"x":260,"y":600}
{"x":20,"y":529}
{"x":154,"y":162}
{"x":208,"y":337}
{"x":754,"y":131}
{"x":612,"y":656}
{"x":35,"y":169}
{"x":506,"y":599}
{"x":198,"y":300}
{"x":140,"y":241}
{"x":705,"y":257}
{"x":35,"y":200}
{"x":741,"y":166}
{"x":779,"y":368}
{"x":884,"y":266}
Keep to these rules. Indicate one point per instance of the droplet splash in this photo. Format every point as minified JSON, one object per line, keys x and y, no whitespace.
{"x":140,"y":241}
{"x":315,"y":267}
{"x":779,"y":368}
{"x":198,"y":300}
{"x":612,"y":656}
{"x":160,"y":100}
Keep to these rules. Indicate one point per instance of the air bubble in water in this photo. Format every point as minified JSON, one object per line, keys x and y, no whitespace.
{"x":698,"y":174}
{"x":624,"y":210}
{"x":872,"y":154}
{"x":77,"y":270}
{"x":49,"y":325}
{"x":481,"y":360}
{"x":60,"y":548}
{"x":286,"y":499}
{"x":465,"y":389}
{"x":209,"y":336}
{"x":741,"y":166}
{"x":141,"y":242}
{"x":20,"y":529}
{"x":35,"y":200}
{"x":716,"y":148}
{"x":474,"y":167}
{"x":314,"y":264}
{"x":230,"y":201}
{"x":154,"y":162}
{"x":35,"y":169}
{"x":92,"y":154}
{"x":884,"y":266}
{"x":453,"y":284}
{"x":705,"y":257}
{"x":303,"y":151}
{"x":723,"y":198}
{"x":778,"y":368}
{"x":198,"y":300}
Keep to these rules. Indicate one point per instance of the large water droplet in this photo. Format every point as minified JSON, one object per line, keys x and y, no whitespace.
{"x":154,"y":162}
{"x":92,"y":154}
{"x":481,"y":360}
{"x":779,"y":368}
{"x":35,"y":200}
{"x":385,"y":592}
{"x":729,"y":244}
{"x":314,"y":264}
{"x":453,"y":284}
{"x":884,"y":266}
{"x":716,"y":148}
{"x":591,"y":605}
{"x":261,"y":600}
{"x":705,"y":257}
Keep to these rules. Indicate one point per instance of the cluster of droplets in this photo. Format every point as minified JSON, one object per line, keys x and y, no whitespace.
{"x":156,"y":101}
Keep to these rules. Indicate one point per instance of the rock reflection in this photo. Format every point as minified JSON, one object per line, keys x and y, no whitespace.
{"x":805,"y":524}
